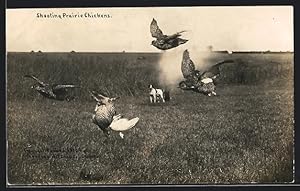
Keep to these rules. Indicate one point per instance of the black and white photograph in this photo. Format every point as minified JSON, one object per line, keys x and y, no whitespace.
{"x":185,"y":95}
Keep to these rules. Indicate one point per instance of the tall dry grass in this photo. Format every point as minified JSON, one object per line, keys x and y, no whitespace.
{"x":241,"y":136}
{"x":131,"y":73}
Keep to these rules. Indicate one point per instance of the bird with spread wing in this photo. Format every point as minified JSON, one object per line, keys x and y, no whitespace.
{"x":106,"y":118}
{"x":52,"y":91}
{"x":165,"y":42}
{"x":199,"y":81}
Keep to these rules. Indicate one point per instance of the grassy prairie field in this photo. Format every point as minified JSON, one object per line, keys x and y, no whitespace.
{"x":245,"y":134}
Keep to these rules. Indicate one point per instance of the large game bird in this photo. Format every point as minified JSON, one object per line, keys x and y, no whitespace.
{"x":200,"y":81}
{"x":52,"y":91}
{"x":104,"y":111}
{"x":165,"y":42}
{"x":105,"y":115}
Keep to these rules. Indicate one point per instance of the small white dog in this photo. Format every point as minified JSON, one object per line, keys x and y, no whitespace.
{"x":156,"y":94}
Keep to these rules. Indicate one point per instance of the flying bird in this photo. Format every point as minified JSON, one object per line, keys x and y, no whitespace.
{"x":52,"y":91}
{"x":105,"y":115}
{"x":165,"y":42}
{"x":104,"y":111}
{"x":200,"y":81}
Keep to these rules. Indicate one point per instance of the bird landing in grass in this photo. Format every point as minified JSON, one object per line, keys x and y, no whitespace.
{"x":52,"y":91}
{"x":106,"y":118}
{"x":104,"y":111}
{"x":199,"y":81}
{"x":165,"y":42}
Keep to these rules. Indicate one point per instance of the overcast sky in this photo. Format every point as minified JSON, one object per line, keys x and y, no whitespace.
{"x":128,"y":29}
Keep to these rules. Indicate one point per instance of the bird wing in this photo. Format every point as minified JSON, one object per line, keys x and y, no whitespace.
{"x":187,"y":65}
{"x":214,"y":70}
{"x":36,"y":79}
{"x":123,"y":124}
{"x":59,"y":87}
{"x":155,"y":30}
{"x":176,"y":35}
{"x":98,"y":95}
{"x":93,"y":94}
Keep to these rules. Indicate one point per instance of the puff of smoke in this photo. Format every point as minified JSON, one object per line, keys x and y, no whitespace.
{"x":170,"y":65}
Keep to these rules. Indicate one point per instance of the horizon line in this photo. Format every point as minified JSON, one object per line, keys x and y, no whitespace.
{"x":72,"y":51}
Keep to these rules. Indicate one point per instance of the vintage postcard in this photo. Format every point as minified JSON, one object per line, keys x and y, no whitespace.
{"x":150,"y":95}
